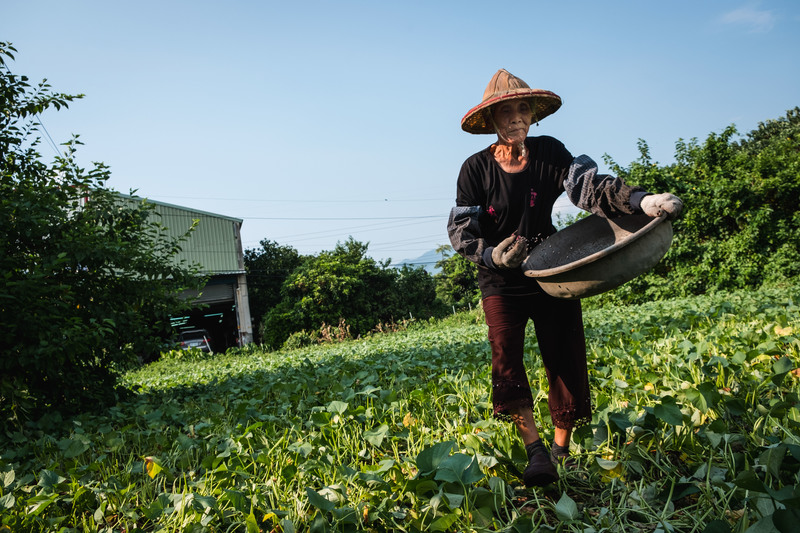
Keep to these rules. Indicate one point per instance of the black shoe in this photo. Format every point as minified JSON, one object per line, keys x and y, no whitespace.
{"x":540,"y":470}
{"x":559,"y":455}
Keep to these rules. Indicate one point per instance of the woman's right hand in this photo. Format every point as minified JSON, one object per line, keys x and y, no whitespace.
{"x":510,"y":253}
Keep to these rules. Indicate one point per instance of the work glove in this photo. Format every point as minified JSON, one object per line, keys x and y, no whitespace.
{"x":510,"y":253}
{"x":654,"y":205}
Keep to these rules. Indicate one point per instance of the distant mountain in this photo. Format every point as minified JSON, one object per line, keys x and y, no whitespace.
{"x":427,"y":260}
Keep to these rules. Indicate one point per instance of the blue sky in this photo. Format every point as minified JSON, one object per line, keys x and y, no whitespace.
{"x":315,"y":121}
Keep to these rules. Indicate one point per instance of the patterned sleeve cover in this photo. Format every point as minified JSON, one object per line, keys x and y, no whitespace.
{"x":602,"y":194}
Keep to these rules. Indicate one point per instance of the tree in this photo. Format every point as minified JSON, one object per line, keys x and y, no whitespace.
{"x":89,"y":281}
{"x":346,"y":285}
{"x":340,"y":284}
{"x":415,"y":291}
{"x":457,"y":281}
{"x":267,"y":268}
{"x":740,"y":226}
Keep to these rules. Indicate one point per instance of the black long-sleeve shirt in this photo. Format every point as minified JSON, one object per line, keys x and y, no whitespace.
{"x":492,"y":204}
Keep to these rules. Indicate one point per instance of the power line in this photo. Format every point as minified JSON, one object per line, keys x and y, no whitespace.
{"x":50,"y":140}
{"x":53,"y":145}
{"x":305,"y":201}
{"x":344,"y":218}
{"x":339,"y":231}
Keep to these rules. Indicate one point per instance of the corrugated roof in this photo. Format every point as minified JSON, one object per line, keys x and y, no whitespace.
{"x":215,"y":243}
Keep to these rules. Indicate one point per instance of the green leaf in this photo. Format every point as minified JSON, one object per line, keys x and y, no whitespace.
{"x":717,"y":526}
{"x":713,"y":438}
{"x":772,"y":458}
{"x":739,"y":357}
{"x":668,"y":411}
{"x":764,"y":525}
{"x":237,"y":499}
{"x":606,"y":464}
{"x":429,"y":459}
{"x":619,"y":421}
{"x":566,"y":508}
{"x":714,"y":473}
{"x":37,"y":504}
{"x":786,"y":520}
{"x":100,"y":513}
{"x":156,"y":507}
{"x":318,"y":525}
{"x":704,"y":397}
{"x":251,"y":524}
{"x":319,"y":501}
{"x":373,"y":481}
{"x":459,"y":468}
{"x":7,"y":478}
{"x":697,"y":399}
{"x":472,"y":442}
{"x":7,"y":501}
{"x":74,"y":447}
{"x":320,"y":418}
{"x":303,"y":448}
{"x":369,"y":390}
{"x":781,"y":367}
{"x":487,"y":461}
{"x":444,"y":522}
{"x":454,"y":501}
{"x":736,"y":406}
{"x":376,"y":436}
{"x":682,"y":490}
{"x":48,"y":479}
{"x":794,"y":450}
{"x":748,"y":480}
{"x":201,"y":503}
{"x":337,"y":407}
{"x":425,"y":487}
{"x":385,"y":465}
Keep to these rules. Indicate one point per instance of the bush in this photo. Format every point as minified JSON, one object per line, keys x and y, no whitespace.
{"x":740,"y":227}
{"x":345,"y":286}
{"x":300,"y":339}
{"x":89,"y":281}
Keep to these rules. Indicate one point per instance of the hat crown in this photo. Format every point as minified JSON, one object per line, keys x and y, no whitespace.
{"x":502,"y":83}
{"x":504,"y":86}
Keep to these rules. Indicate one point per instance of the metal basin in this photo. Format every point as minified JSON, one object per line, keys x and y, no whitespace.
{"x":596,"y":254}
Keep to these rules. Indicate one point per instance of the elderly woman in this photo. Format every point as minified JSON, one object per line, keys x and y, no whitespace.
{"x":504,"y":205}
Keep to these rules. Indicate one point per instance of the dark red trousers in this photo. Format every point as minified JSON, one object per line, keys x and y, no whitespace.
{"x":562,"y":346}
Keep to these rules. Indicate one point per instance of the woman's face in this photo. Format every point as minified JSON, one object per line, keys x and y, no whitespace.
{"x":512,"y":120}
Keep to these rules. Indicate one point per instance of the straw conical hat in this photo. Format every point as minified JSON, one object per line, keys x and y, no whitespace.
{"x":505,"y":86}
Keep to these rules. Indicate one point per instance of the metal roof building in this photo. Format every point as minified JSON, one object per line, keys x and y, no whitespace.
{"x":215,"y":244}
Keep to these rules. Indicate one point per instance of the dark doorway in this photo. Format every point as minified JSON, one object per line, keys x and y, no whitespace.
{"x":218,"y":318}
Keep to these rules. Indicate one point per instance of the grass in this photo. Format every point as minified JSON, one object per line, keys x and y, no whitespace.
{"x":695,"y":429}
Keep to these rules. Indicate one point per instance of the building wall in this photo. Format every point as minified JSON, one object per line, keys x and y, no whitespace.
{"x":215,"y":245}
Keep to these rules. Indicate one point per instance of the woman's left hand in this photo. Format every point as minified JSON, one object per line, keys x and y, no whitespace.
{"x":654,"y":205}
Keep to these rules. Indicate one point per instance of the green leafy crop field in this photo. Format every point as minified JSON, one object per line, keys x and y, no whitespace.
{"x":696,"y":428}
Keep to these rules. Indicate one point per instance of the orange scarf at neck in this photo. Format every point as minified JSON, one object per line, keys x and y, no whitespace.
{"x":504,"y":155}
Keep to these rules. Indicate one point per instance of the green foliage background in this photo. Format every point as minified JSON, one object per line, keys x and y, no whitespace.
{"x":740,"y":227}
{"x":87,"y":282}
{"x":267,"y":268}
{"x":457,"y":279}
{"x":346,"y":288}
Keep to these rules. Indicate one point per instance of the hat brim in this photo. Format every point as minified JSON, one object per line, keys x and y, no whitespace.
{"x":544,"y":103}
